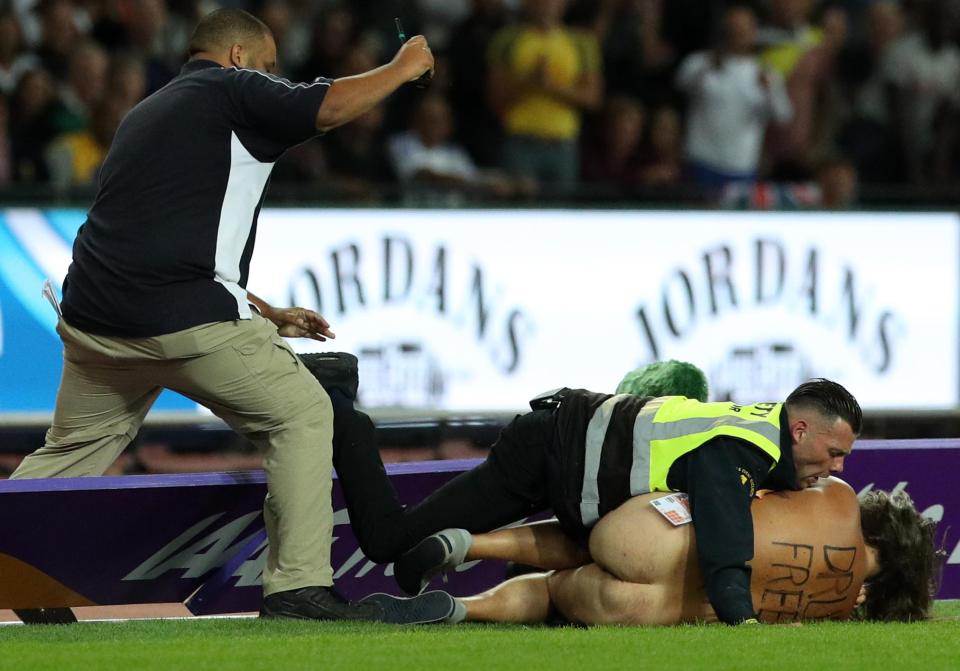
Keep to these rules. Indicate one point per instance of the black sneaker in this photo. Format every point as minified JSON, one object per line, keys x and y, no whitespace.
{"x":428,"y":608}
{"x":334,"y":370}
{"x":439,"y":553}
{"x":318,"y":603}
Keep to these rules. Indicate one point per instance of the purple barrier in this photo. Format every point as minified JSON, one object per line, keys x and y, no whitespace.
{"x":927,"y":469}
{"x":199,"y":538}
{"x":195,"y":538}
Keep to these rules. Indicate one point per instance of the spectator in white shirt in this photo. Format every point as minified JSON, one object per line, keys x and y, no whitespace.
{"x":922,"y":72}
{"x":14,"y":62}
{"x":432,"y":169}
{"x":731,"y":99}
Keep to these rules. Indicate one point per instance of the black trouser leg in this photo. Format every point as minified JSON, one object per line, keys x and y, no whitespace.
{"x":508,"y":486}
{"x":375,"y":512}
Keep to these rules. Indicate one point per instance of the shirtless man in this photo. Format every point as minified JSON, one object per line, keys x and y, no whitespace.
{"x":812,"y":555}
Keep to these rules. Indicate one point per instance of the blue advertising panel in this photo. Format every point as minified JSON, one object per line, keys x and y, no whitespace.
{"x":34,"y":246}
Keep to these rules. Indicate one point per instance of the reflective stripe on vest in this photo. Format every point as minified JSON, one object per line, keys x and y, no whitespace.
{"x":596,"y":432}
{"x":665,"y":429}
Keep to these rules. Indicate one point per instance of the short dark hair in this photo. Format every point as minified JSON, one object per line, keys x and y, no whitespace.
{"x":223,"y":28}
{"x":829,"y":399}
{"x":910,"y":561}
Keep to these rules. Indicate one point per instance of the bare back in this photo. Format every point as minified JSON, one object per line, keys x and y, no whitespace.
{"x":809,"y":557}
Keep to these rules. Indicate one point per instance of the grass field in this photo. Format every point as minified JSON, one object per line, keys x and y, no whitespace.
{"x":252,"y":644}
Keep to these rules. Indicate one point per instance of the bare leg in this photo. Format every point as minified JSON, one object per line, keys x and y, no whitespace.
{"x":590,"y":595}
{"x":540,"y":544}
{"x":521,"y":600}
{"x":543,"y":545}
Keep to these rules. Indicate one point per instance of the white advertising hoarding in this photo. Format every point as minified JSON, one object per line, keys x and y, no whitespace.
{"x":482,"y":309}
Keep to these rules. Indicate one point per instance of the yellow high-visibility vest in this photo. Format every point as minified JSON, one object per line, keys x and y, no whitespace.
{"x":674,"y":425}
{"x":663,"y":430}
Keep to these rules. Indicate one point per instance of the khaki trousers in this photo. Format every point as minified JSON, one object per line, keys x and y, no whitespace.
{"x":247,"y":375}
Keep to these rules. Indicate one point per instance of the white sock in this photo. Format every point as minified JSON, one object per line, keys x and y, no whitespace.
{"x":459,"y":612}
{"x":461,"y":540}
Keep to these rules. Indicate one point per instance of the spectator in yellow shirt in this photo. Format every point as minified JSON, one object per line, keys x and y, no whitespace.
{"x":74,"y":158}
{"x":542,"y":76}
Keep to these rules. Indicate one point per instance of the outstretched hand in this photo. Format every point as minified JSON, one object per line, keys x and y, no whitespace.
{"x":300,"y":323}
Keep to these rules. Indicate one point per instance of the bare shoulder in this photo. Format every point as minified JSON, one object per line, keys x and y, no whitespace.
{"x":830,"y":497}
{"x":837,"y":494}
{"x":835,"y":487}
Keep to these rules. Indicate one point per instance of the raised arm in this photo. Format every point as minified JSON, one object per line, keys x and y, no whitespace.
{"x":349,"y":97}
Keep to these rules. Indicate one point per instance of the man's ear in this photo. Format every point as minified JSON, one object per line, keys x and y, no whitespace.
{"x":798,"y":427}
{"x":236,"y":55}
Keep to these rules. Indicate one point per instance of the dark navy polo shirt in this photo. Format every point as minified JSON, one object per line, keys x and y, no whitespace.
{"x":168,"y":240}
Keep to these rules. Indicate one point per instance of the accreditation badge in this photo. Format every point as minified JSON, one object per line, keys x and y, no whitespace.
{"x":675,"y":508}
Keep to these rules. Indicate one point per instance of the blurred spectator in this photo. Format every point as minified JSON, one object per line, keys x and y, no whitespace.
{"x":357,"y":165}
{"x":731,"y":97}
{"x":6,"y":149}
{"x":788,"y":35}
{"x":334,"y":34}
{"x":432,"y":169}
{"x":158,"y":36}
{"x":30,"y":16}
{"x":291,"y":32}
{"x":790,"y":147}
{"x":352,"y":163}
{"x":107,"y":28}
{"x":358,"y":58}
{"x":770,"y":196}
{"x":440,"y":19}
{"x":614,"y":157}
{"x":923,"y":73}
{"x":837,"y":182}
{"x":339,"y":163}
{"x":127,"y":78}
{"x":86,"y":81}
{"x":13,"y":60}
{"x":638,"y":59}
{"x":662,"y":162}
{"x":32,"y":126}
{"x":74,"y":158}
{"x":835,"y":188}
{"x":149,"y":30}
{"x":542,"y":76}
{"x":59,"y":35}
{"x":864,"y":131}
{"x":478,"y":128}
{"x":692,"y":25}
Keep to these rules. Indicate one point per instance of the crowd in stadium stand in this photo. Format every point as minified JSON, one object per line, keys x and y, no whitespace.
{"x":765,"y":104}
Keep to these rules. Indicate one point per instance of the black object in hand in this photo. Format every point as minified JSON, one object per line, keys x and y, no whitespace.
{"x":423,"y":81}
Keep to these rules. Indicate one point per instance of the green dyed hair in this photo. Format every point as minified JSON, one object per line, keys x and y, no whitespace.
{"x":666,"y":378}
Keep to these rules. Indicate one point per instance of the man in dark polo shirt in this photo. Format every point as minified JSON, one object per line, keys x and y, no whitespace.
{"x":156,"y":295}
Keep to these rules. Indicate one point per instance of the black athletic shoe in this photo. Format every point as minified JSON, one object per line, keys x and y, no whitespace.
{"x":318,"y":603}
{"x":428,"y":608}
{"x":439,"y":553}
{"x":334,"y":370}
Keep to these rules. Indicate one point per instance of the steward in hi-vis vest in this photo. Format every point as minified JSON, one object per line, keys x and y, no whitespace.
{"x":608,"y":448}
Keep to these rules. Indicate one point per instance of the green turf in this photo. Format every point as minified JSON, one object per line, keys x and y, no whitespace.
{"x":252,"y":644}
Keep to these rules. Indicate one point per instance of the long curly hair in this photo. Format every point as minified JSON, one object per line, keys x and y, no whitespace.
{"x":910,"y":561}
